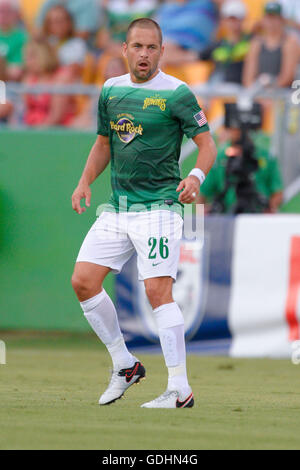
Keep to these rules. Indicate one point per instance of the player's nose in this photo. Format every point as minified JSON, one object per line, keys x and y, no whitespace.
{"x":144,"y":52}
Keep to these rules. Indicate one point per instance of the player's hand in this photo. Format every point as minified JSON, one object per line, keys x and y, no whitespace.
{"x":191,"y":187}
{"x":81,"y":192}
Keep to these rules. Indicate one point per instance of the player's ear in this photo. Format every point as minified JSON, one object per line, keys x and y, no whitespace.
{"x":124,"y":49}
{"x":162,"y":50}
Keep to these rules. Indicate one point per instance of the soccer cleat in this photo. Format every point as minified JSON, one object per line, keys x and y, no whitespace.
{"x":120,"y":381}
{"x":171,"y":399}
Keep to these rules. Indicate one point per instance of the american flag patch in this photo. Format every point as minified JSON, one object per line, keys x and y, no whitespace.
{"x":200,"y":118}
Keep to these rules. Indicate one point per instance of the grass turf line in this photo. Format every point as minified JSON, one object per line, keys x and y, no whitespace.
{"x":49,"y":393}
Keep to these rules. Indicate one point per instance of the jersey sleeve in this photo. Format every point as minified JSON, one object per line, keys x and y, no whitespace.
{"x":103,"y":123}
{"x":186,"y":109}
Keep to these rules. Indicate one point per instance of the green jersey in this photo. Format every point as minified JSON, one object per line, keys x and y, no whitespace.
{"x":11,"y":46}
{"x":145,"y":124}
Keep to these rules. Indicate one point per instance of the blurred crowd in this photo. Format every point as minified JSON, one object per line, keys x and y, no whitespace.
{"x":80,"y":42}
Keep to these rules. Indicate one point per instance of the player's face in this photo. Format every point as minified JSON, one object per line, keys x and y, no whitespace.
{"x":143,"y":52}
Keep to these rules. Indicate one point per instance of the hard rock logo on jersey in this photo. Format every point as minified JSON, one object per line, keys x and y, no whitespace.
{"x":155,"y":101}
{"x":126,"y":130}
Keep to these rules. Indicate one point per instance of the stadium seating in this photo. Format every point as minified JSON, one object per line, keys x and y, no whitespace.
{"x":255,"y":9}
{"x":89,"y":70}
{"x":29,"y":10}
{"x":193,"y":73}
{"x":100,"y":68}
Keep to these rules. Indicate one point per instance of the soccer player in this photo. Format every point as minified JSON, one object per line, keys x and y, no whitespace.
{"x":141,"y":121}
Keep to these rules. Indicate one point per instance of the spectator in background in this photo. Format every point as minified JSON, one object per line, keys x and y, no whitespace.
{"x":119,"y":14}
{"x":86,"y":14}
{"x":291,"y":13}
{"x":5,"y":108}
{"x":42,"y":68}
{"x":12,"y":39}
{"x":115,"y":67}
{"x":188,"y":27}
{"x":59,"y":28}
{"x":220,"y":185}
{"x":274,"y":54}
{"x":229,"y":53}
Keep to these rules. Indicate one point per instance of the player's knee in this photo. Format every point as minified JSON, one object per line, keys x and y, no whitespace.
{"x":80,"y":284}
{"x":157,"y":295}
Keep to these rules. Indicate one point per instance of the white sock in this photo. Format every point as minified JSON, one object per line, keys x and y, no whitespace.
{"x":170,"y":324}
{"x":101,"y":314}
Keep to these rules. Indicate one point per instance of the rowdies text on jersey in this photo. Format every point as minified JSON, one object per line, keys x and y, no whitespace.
{"x":155,"y":101}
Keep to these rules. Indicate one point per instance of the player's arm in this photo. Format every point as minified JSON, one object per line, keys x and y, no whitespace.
{"x":185,"y":108}
{"x":207,"y":153}
{"x":97,"y":161}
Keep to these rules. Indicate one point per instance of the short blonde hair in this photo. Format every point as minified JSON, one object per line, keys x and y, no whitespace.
{"x":47,"y":54}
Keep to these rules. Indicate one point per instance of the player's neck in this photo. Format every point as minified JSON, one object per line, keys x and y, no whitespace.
{"x":141,"y":82}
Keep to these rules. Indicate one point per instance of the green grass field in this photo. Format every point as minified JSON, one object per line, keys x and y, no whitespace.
{"x":50,"y":386}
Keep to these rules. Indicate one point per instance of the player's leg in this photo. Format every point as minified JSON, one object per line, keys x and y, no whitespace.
{"x":100,"y":311}
{"x":87,"y":279}
{"x":170,"y":324}
{"x":100,"y":254}
{"x":157,"y":242}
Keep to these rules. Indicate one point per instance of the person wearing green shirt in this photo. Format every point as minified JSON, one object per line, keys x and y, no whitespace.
{"x":266,"y":178}
{"x":12,"y":40}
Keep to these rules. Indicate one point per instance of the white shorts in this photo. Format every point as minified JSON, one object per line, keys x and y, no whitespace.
{"x":155,"y":236}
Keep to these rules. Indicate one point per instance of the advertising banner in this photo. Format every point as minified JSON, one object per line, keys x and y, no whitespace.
{"x":240,"y":288}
